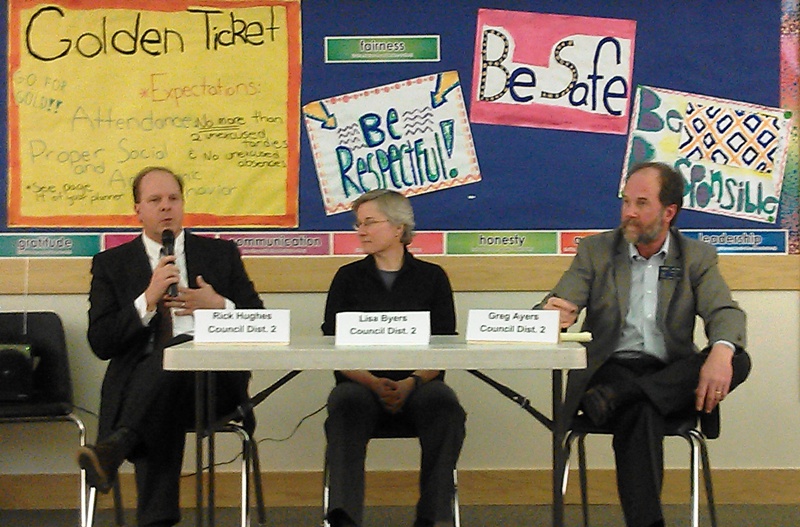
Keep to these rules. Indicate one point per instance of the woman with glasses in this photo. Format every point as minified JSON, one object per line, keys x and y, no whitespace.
{"x":389,"y":278}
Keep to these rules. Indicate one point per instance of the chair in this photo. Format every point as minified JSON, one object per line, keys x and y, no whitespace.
{"x":391,"y":431}
{"x":679,"y":426}
{"x":250,"y":465}
{"x":52,"y":399}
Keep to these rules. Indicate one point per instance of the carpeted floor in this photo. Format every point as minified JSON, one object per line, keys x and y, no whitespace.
{"x":471,"y":516}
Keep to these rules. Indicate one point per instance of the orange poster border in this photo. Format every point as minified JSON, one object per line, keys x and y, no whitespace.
{"x":15,"y":218}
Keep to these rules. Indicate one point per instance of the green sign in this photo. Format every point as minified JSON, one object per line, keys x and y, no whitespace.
{"x":48,"y":245}
{"x":399,"y":48}
{"x":502,"y":242}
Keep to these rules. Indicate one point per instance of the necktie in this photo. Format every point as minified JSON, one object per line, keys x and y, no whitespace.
{"x":164,"y":330}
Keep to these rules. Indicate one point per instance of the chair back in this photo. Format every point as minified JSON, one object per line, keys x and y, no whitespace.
{"x":52,"y":383}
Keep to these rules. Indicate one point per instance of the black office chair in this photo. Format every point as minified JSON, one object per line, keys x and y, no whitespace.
{"x":391,"y":431}
{"x":250,"y":467}
{"x":695,"y":430}
{"x":52,"y":386}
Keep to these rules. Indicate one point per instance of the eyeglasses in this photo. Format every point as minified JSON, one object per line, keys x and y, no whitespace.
{"x":367,"y":223}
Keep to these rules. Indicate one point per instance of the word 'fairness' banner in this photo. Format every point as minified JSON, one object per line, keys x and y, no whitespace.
{"x":412,"y":136}
{"x":99,"y":89}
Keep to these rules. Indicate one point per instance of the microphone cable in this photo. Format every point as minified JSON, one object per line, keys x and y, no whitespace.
{"x":518,"y":398}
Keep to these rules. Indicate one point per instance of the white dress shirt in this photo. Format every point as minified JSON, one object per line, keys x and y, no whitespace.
{"x":180,"y":324}
{"x":640,"y":331}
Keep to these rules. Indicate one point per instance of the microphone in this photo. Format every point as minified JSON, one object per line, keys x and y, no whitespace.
{"x":168,"y":241}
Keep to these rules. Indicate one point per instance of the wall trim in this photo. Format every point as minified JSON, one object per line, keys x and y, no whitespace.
{"x":476,"y":487}
{"x":54,"y":276}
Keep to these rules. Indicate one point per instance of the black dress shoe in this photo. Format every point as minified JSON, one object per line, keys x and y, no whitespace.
{"x":599,"y":404}
{"x":102,"y":460}
{"x":100,"y":463}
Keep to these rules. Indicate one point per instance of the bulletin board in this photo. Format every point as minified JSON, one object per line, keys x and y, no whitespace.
{"x":543,"y":178}
{"x":531,"y":178}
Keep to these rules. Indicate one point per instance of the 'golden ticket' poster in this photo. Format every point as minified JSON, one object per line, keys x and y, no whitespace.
{"x":99,"y":89}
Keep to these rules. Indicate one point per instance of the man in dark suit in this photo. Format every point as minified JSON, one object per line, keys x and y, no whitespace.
{"x":145,"y":410}
{"x":643,"y":285}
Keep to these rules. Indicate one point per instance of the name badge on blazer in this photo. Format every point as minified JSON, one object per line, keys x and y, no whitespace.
{"x":668,"y":272}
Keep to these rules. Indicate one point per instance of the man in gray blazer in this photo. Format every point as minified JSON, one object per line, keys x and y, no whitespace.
{"x":643,"y":285}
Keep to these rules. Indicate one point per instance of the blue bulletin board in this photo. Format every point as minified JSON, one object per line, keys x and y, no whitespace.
{"x":534,"y":178}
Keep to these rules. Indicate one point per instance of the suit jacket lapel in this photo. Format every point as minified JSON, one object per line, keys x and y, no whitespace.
{"x":137,"y":267}
{"x":193,"y":259}
{"x":666,"y":288}
{"x":188,"y":249}
{"x":622,"y":276}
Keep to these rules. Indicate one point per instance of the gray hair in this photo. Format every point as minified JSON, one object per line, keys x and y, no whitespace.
{"x":395,"y":206}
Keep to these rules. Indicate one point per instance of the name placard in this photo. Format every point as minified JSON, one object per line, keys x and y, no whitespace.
{"x":383,"y":328}
{"x":508,"y":325}
{"x":241,"y":325}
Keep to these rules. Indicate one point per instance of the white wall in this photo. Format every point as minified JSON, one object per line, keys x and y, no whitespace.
{"x":761,"y":420}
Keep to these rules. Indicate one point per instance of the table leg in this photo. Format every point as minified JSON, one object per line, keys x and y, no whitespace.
{"x":558,"y":450}
{"x":199,"y":414}
{"x":211,"y":418}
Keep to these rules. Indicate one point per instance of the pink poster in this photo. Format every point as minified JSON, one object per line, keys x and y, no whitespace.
{"x":552,"y":71}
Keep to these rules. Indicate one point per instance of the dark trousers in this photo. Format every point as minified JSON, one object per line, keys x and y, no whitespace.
{"x":158,"y":406}
{"x":638,"y":427}
{"x":355,"y":413}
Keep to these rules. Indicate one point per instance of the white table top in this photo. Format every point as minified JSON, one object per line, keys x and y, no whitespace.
{"x":320,"y":353}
